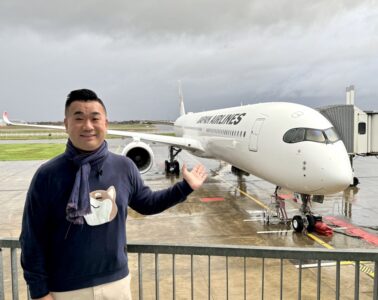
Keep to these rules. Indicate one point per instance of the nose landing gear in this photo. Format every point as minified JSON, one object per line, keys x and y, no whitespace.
{"x":306,"y":220}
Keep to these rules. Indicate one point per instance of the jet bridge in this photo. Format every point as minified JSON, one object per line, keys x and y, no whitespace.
{"x":358,"y":129}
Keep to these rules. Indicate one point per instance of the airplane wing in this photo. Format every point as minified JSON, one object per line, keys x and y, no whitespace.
{"x":7,"y":121}
{"x":180,"y":142}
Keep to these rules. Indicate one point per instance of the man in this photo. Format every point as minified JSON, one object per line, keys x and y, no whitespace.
{"x":73,"y":230}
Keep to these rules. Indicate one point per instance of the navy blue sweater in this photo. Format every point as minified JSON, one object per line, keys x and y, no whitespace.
{"x":60,"y":256}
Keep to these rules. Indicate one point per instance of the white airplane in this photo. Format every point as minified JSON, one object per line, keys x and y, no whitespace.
{"x":290,"y":145}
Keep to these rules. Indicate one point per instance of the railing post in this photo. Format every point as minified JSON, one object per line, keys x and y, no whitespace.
{"x":300,"y":280}
{"x":157,"y":276}
{"x":227,"y":277}
{"x":357,"y":280}
{"x":319,"y":280}
{"x":262,"y":278}
{"x":192,"y":275}
{"x":1,"y":276}
{"x":140,"y":275}
{"x":375,"y":280}
{"x":209,"y":266}
{"x":337,"y":280}
{"x":174,"y":276}
{"x":281,"y":279}
{"x":28,"y":291}
{"x":245,"y":278}
{"x":14,"y":273}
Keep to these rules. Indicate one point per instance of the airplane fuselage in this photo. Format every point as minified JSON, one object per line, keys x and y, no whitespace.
{"x":287,"y":144}
{"x":251,"y":138}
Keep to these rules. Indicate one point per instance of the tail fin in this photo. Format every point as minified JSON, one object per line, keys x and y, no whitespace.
{"x":181,"y":97}
{"x":5,"y":118}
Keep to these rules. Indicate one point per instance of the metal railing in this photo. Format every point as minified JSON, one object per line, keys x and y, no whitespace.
{"x":229,"y":272}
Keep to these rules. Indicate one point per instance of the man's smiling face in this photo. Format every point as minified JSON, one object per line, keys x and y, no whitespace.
{"x":86,"y":124}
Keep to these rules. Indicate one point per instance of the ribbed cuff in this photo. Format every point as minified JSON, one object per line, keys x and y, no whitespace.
{"x":185,"y":188}
{"x":38,"y":291}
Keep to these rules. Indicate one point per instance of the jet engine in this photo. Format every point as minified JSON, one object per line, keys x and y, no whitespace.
{"x":141,"y":154}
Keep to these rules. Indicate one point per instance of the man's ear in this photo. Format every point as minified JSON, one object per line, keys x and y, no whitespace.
{"x":65,"y":123}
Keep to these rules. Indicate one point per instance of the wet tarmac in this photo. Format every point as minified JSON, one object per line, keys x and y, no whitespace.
{"x":226,"y":210}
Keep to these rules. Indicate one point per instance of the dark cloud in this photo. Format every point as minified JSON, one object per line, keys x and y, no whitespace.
{"x":145,"y":17}
{"x":225,"y":52}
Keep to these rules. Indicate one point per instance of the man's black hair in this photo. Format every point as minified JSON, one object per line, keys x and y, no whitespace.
{"x":82,"y":95}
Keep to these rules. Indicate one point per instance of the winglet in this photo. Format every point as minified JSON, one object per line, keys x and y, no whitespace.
{"x":181,"y":96}
{"x":5,"y":118}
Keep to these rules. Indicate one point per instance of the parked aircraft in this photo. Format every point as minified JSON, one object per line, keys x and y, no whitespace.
{"x":290,"y":145}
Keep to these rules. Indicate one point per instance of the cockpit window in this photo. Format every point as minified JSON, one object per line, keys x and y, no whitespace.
{"x":331,"y":135}
{"x":315,"y":135}
{"x":296,"y":135}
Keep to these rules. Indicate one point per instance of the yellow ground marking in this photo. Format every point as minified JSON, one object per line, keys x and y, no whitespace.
{"x":258,"y":202}
{"x":319,"y":241}
{"x":254,"y":199}
{"x":363,"y":268}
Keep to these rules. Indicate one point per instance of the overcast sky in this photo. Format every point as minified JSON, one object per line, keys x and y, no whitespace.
{"x":132,"y":53}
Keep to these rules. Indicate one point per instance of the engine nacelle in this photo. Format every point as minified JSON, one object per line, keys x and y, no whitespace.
{"x":141,"y":154}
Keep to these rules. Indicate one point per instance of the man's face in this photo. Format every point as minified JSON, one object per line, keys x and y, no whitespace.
{"x":86,"y":124}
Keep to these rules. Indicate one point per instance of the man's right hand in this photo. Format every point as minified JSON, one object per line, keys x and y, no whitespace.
{"x":195,"y":177}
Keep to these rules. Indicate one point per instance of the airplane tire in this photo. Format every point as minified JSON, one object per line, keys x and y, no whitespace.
{"x":311,"y":223}
{"x":298,"y":223}
{"x":356,"y":181}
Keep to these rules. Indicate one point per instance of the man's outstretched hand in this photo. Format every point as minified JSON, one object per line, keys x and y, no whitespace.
{"x":196,"y":177}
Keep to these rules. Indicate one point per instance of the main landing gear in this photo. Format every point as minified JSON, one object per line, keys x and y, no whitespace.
{"x":172,"y":166}
{"x":306,"y":220}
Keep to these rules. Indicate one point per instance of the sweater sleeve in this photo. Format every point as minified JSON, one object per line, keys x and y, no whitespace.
{"x":33,"y":238}
{"x":147,"y":202}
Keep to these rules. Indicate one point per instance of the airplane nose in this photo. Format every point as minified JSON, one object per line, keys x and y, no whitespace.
{"x":338,"y":171}
{"x":339,"y":180}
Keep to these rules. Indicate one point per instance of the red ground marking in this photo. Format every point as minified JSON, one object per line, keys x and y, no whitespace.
{"x":353,"y":230}
{"x":211,"y":199}
{"x":323,"y":229}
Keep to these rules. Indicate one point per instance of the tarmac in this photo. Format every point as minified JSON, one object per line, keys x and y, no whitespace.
{"x":226,"y":210}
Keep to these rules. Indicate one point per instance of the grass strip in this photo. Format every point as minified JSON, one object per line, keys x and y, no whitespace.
{"x":12,"y":152}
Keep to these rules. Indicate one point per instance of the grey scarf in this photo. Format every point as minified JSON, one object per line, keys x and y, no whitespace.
{"x":79,"y":204}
